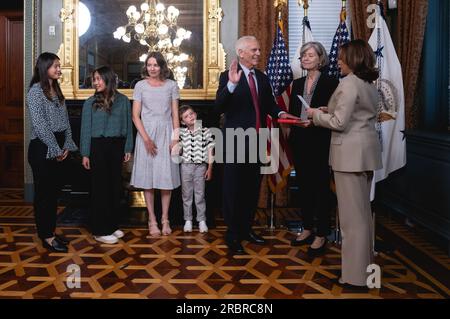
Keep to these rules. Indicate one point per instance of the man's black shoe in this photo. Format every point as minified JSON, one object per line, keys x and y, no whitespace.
{"x":255,"y":239}
{"x":55,"y":246}
{"x":235,"y":247}
{"x":62,"y":240}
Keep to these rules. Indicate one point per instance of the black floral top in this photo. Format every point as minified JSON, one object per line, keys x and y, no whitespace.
{"x":48,"y":117}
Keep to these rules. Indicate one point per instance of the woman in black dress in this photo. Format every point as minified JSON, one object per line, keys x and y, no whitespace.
{"x":310,"y":147}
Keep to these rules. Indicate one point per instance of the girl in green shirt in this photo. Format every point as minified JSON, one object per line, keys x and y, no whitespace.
{"x":106,"y":142}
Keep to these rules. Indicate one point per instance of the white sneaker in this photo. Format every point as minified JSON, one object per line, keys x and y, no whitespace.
{"x":118,"y":234}
{"x":202,"y":227}
{"x":187,"y":226}
{"x":109,"y":239}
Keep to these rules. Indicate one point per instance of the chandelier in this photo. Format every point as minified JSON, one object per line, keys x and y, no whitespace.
{"x":156,"y":28}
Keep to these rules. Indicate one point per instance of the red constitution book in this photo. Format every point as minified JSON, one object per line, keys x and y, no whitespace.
{"x":289,"y":121}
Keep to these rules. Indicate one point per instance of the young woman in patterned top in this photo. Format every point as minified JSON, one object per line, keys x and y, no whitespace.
{"x":51,"y":141}
{"x":106,"y":142}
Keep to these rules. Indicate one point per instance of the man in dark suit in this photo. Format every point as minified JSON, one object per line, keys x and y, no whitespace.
{"x":245,"y":98}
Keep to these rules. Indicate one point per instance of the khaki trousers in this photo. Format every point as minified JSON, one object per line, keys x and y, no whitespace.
{"x":193,"y":186}
{"x":353,"y":193}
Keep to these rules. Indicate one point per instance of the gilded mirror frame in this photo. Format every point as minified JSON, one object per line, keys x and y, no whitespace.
{"x":213,"y":54}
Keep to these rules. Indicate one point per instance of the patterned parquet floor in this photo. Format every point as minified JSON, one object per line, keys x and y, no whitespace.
{"x":197,"y":266}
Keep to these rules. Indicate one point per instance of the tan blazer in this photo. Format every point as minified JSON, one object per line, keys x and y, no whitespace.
{"x":352,"y":113}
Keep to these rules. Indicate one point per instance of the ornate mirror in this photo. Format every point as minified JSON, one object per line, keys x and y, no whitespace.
{"x":119,"y":32}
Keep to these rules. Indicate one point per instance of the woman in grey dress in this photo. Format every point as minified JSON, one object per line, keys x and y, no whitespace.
{"x":155,"y":115}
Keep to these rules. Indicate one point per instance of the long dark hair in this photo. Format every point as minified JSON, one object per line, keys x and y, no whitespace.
{"x":43,"y":63}
{"x":359,"y":57}
{"x":165,"y":72}
{"x":105,"y":99}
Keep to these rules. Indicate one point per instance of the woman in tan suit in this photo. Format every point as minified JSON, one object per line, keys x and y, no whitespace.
{"x":355,"y":153}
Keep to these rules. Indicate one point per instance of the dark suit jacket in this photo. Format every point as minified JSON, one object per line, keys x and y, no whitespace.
{"x":239,"y":110}
{"x":311,"y":144}
{"x":238,"y":106}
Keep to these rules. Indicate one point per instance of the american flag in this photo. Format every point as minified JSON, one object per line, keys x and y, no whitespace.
{"x":280,"y":76}
{"x":341,"y":37}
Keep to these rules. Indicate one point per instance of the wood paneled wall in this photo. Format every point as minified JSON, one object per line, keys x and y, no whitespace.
{"x":11,"y":99}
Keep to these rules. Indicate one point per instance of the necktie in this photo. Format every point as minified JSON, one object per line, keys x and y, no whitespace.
{"x":252,"y":84}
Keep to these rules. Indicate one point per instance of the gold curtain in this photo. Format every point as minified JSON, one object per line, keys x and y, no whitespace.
{"x":409,"y":34}
{"x":359,"y":16}
{"x":259,"y":18}
{"x":412,"y":17}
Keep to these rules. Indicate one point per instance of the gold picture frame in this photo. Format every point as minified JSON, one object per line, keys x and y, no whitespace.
{"x":213,"y":54}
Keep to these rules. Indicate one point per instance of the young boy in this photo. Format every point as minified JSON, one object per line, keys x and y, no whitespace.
{"x":196,"y":166}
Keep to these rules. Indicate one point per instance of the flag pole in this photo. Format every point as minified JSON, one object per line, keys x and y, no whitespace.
{"x":278,"y":4}
{"x":272,"y":208}
{"x":344,"y":10}
{"x":305,"y":15}
{"x":378,"y":127}
{"x":305,"y":5}
{"x":380,"y":108}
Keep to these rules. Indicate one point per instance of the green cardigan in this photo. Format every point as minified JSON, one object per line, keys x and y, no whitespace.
{"x":98,"y":123}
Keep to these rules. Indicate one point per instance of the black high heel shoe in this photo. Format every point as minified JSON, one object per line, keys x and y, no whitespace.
{"x":308,"y":240}
{"x":314,"y":252}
